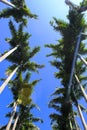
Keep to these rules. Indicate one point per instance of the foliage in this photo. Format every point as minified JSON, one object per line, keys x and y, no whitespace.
{"x":63,"y":53}
{"x":21,"y":86}
{"x":18,"y":14}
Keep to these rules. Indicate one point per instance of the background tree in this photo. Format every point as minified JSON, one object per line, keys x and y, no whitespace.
{"x":64,"y":98}
{"x":21,"y":87}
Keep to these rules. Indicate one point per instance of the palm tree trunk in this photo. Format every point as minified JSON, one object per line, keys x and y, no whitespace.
{"x":81,"y":116}
{"x":82,"y":59}
{"x":15,"y":123}
{"x":73,"y":65}
{"x":12,"y":116}
{"x":76,"y":125}
{"x":8,"y":3}
{"x":80,"y":112}
{"x":7,"y":80}
{"x":81,"y":87}
{"x":8,"y":53}
{"x":71,"y":127}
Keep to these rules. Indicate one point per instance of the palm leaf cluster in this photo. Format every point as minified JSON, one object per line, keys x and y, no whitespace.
{"x":19,"y":13}
{"x":21,"y":118}
{"x":62,"y":101}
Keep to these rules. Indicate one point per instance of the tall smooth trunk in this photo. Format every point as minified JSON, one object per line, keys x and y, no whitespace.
{"x":7,"y":80}
{"x":81,"y":87}
{"x":8,"y":53}
{"x":12,"y":116}
{"x":71,"y":127}
{"x":73,"y":65}
{"x":15,"y":123}
{"x":8,"y":3}
{"x":82,"y":59}
{"x":76,"y":125}
{"x":82,"y":118}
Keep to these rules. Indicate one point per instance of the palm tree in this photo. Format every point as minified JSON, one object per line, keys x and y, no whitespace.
{"x":27,"y":119}
{"x":22,"y":91}
{"x":23,"y":54}
{"x":63,"y":52}
{"x":21,"y":86}
{"x":20,"y":14}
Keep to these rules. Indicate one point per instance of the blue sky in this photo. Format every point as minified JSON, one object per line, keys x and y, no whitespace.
{"x":42,"y":33}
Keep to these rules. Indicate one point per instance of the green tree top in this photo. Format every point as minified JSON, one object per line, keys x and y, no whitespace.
{"x":63,"y":53}
{"x":19,"y":14}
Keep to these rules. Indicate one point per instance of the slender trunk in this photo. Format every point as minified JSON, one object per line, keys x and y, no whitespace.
{"x":82,"y":118}
{"x":8,"y":53}
{"x":76,"y":125}
{"x":12,"y":116}
{"x":15,"y":123}
{"x":7,"y":80}
{"x":80,"y":112}
{"x":73,"y":65}
{"x":8,"y":3}
{"x":71,"y":127}
{"x":81,"y":87}
{"x":82,"y":59}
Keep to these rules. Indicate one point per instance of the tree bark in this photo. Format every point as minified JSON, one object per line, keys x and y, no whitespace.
{"x":7,"y":80}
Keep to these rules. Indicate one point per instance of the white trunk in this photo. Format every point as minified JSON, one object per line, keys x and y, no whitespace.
{"x":81,"y":87}
{"x":7,"y":80}
{"x":15,"y":123}
{"x":71,"y":127}
{"x":12,"y":116}
{"x":8,"y":3}
{"x":8,"y":53}
{"x":82,"y":59}
{"x":82,"y":118}
{"x":76,"y":125}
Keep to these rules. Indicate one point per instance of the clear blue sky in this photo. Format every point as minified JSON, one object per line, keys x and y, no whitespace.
{"x":42,"y":33}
